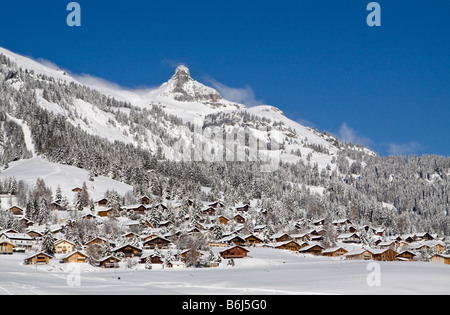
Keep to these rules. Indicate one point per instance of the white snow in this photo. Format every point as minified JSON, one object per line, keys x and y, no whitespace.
{"x":267,"y":272}
{"x":68,"y":177}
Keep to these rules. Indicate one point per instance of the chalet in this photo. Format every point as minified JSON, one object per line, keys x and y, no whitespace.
{"x":287,"y":245}
{"x":334,"y":252}
{"x":16,"y":210}
{"x":128,"y":250}
{"x":378,"y":231}
{"x":352,"y":229}
{"x":107,"y":212}
{"x":145,"y":200}
{"x":75,"y":257}
{"x":436,"y":245}
{"x":175,"y":264}
{"x":280,"y":237}
{"x":303,"y":237}
{"x":56,"y":205}
{"x":408,"y":238}
{"x":441,"y":259}
{"x":26,"y":222}
{"x":109,"y":262}
{"x":233,"y":239}
{"x":35,"y":235}
{"x":349,"y":238}
{"x":239,"y":218}
{"x":319,"y":222}
{"x":6,"y":247}
{"x":64,"y":246}
{"x":405,"y":255}
{"x":423,"y":237}
{"x":97,"y":241}
{"x":234,"y":252}
{"x":314,"y":248}
{"x":130,"y":235}
{"x":209,"y":211}
{"x":242,"y":208}
{"x":386,"y":254}
{"x":252,"y":239}
{"x":138,"y":208}
{"x":158,"y":241}
{"x":362,"y":254}
{"x":102,"y":202}
{"x":260,"y":228}
{"x":217,"y":204}
{"x":341,"y":222}
{"x":77,"y":190}
{"x":387,"y":244}
{"x":222,"y":219}
{"x":38,"y":259}
{"x":22,"y":241}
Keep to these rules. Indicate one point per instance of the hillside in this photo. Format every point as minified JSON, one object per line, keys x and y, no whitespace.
{"x":174,"y":140}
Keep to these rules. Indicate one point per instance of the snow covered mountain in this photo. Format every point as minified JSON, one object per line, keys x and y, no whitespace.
{"x":151,"y":140}
{"x":184,"y":101}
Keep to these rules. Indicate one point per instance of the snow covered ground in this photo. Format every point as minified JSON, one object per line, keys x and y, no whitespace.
{"x":67,"y":177}
{"x":267,"y":272}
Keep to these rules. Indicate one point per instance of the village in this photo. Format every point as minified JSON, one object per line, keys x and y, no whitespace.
{"x":219,"y":234}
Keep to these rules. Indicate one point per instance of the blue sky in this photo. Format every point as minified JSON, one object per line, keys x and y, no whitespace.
{"x":386,"y":87}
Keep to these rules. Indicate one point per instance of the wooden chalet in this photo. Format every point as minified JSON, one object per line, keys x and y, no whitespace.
{"x":107,"y":212}
{"x":158,"y":241}
{"x":243,"y":208}
{"x":301,"y":237}
{"x":64,"y":246}
{"x":222,"y":219}
{"x":233,"y":239}
{"x":97,"y":241}
{"x":35,"y":234}
{"x":341,"y":222}
{"x":6,"y":247}
{"x":75,"y":257}
{"x":386,"y":254}
{"x":145,"y":200}
{"x":405,"y":255}
{"x":102,"y":202}
{"x":280,"y":237}
{"x":16,"y":210}
{"x":239,"y":218}
{"x":234,"y":252}
{"x":252,"y":239}
{"x":441,"y":259}
{"x":287,"y":245}
{"x":360,"y":254}
{"x":128,"y":250}
{"x":139,"y":208}
{"x":109,"y":262}
{"x":26,"y":222}
{"x":349,"y":238}
{"x":315,"y":249}
{"x":211,"y":211}
{"x":334,"y":252}
{"x":38,"y":259}
{"x":77,"y":190}
{"x":56,"y":205}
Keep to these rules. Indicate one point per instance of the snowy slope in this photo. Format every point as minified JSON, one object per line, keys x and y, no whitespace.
{"x":189,"y":100}
{"x":67,"y":177}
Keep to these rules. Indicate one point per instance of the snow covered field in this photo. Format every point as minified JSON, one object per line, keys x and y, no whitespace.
{"x":267,"y":272}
